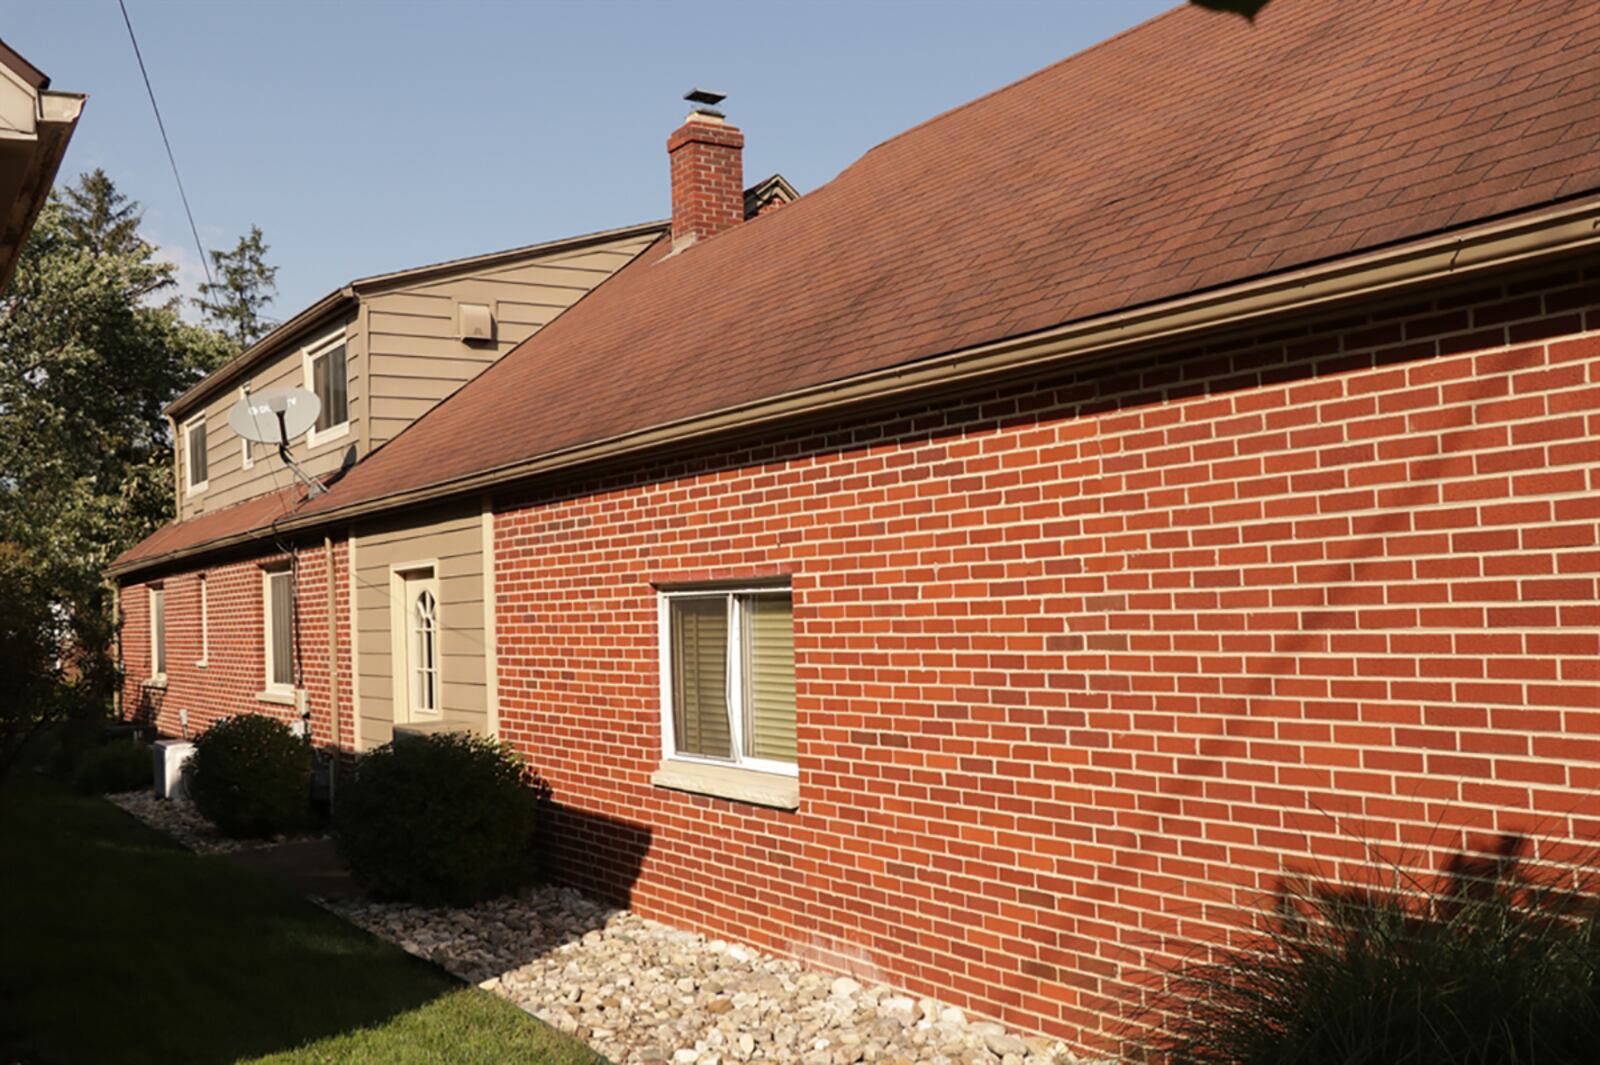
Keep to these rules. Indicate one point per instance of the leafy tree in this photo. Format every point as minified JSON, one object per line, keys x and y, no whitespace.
{"x":244,"y":287}
{"x":27,"y":649}
{"x":90,"y":353}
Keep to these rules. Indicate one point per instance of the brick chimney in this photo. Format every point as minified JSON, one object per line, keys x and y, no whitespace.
{"x":707,"y":172}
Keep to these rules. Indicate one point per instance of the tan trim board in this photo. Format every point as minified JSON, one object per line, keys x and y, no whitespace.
{"x":355,"y":648}
{"x":491,"y":649}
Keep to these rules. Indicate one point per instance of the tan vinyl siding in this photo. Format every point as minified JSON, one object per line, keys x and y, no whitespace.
{"x":417,"y":358}
{"x":228,"y":481}
{"x":452,"y":541}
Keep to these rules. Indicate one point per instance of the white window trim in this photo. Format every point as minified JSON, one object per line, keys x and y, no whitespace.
{"x":270,"y":689}
{"x":247,"y":458}
{"x":205,"y":622}
{"x":158,"y":677}
{"x":734,"y":679}
{"x":192,"y":487}
{"x":401,"y":709}
{"x":310,"y":354}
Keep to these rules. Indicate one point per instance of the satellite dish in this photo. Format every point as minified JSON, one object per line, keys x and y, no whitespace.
{"x":275,"y":416}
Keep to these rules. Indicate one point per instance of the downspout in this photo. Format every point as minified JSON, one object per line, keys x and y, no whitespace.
{"x":333,"y":669}
{"x":117,"y":706}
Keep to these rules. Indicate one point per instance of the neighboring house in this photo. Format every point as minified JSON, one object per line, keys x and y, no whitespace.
{"x":1157,"y":480}
{"x":35,"y":126}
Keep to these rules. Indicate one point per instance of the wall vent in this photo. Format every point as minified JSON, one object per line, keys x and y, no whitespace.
{"x":477,"y":322}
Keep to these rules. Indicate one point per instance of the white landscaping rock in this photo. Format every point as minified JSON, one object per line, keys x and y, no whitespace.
{"x":645,"y":994}
{"x":179,"y":819}
{"x":642,"y":993}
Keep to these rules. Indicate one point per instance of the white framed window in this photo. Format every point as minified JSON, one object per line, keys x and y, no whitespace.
{"x":277,"y":614}
{"x":727,"y":678}
{"x":195,"y":460}
{"x":247,"y":448}
{"x":424,"y":638}
{"x":327,"y":374}
{"x":415,"y":636}
{"x":205,"y":622}
{"x":158,"y":634}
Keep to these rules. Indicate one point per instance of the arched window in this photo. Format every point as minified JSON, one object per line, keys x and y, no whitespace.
{"x":425,"y":652}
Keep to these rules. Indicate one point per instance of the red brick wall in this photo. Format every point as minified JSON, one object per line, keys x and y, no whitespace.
{"x":1087,"y":666}
{"x":707,"y":179}
{"x":234,"y":673}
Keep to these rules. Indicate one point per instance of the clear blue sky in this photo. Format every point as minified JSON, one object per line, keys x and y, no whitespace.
{"x":365,"y":137}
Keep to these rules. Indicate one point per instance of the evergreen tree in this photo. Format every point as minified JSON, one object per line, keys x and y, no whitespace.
{"x":242,"y":288}
{"x":100,"y":219}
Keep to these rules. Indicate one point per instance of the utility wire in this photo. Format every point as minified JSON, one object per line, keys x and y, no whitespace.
{"x":162,"y":126}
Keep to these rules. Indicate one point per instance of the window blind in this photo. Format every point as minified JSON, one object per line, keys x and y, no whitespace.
{"x":198,"y":473}
{"x":281,"y":601}
{"x":330,"y":381}
{"x":158,"y":630}
{"x":769,"y":678}
{"x":700,"y":677}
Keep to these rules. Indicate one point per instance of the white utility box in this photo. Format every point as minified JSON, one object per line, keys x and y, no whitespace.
{"x":170,"y":756}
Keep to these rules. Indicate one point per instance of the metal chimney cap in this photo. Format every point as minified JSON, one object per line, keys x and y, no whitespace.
{"x":705,"y":101}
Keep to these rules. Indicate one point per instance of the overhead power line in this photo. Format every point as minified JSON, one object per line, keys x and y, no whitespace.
{"x":205,"y":263}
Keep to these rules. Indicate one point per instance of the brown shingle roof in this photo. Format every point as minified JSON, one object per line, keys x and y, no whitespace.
{"x":253,"y":515}
{"x":1192,"y":151}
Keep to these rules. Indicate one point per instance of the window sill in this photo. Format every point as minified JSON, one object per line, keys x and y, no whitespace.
{"x":281,"y":698}
{"x":730,"y":782}
{"x":157,"y":681}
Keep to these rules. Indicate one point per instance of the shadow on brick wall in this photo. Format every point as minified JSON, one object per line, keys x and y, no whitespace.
{"x":148,"y":708}
{"x":599,"y":855}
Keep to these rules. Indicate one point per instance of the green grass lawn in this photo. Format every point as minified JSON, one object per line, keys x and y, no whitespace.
{"x":118,"y":946}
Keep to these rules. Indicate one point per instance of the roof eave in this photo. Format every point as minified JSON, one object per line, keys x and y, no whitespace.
{"x":1519,"y":240}
{"x":58,"y":118}
{"x":262,"y":350}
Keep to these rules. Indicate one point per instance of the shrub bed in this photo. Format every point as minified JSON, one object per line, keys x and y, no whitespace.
{"x":251,"y":777}
{"x":124,"y":765}
{"x":447,"y":818}
{"x":1497,"y":960}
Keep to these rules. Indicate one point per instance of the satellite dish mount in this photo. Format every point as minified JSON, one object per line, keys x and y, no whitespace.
{"x":278,"y":416}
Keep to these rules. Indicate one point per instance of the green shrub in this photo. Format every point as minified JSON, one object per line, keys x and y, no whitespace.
{"x":82,"y":724}
{"x":447,"y":818}
{"x":251,"y":776}
{"x":1496,"y":962}
{"x":125,"y":765}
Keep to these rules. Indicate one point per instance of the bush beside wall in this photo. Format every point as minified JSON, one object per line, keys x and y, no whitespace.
{"x":1497,"y":961}
{"x":251,"y":776}
{"x":124,"y":765}
{"x":448,"y":818}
